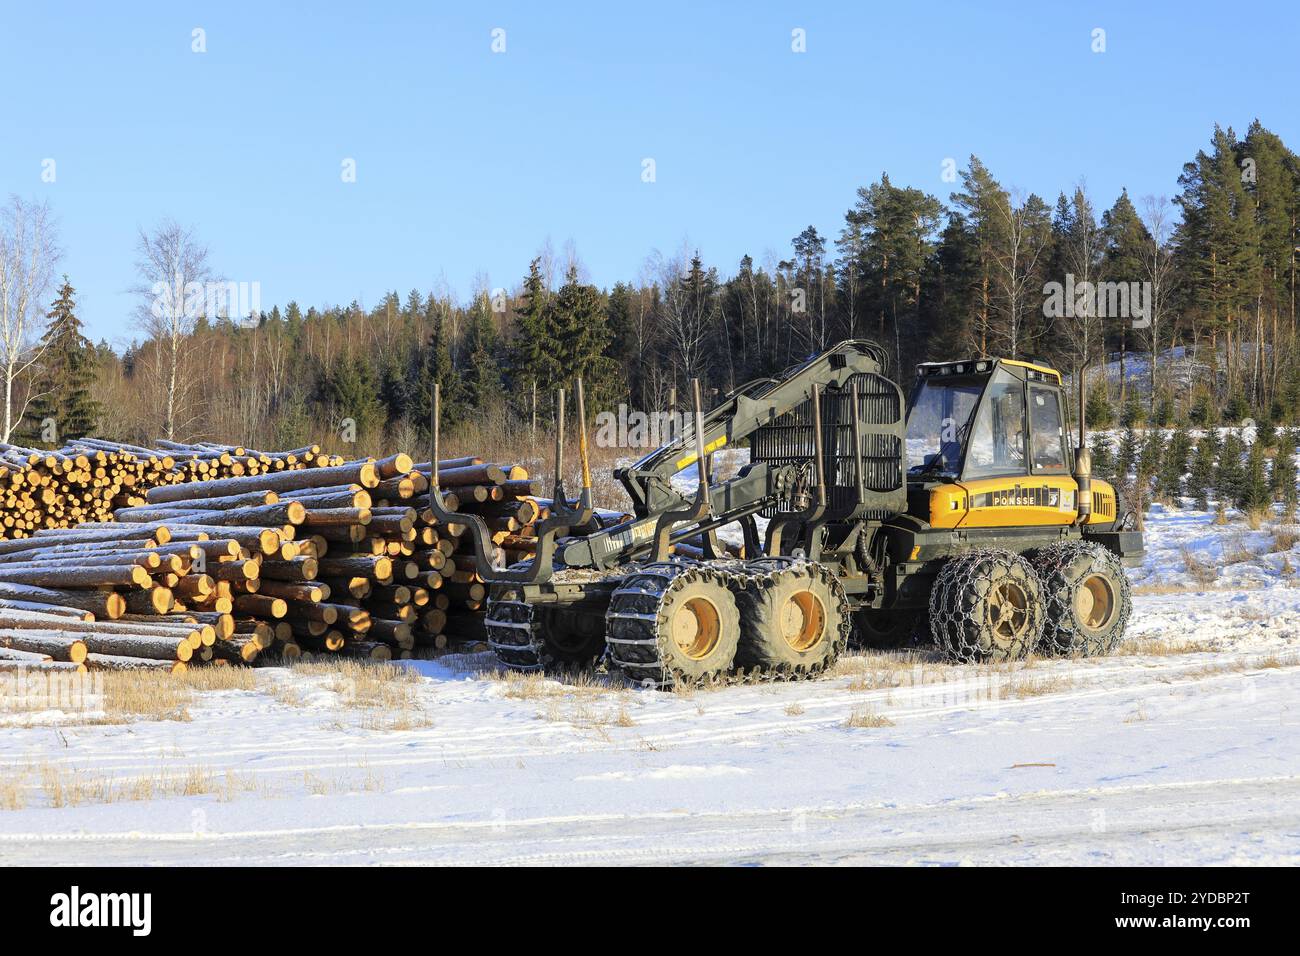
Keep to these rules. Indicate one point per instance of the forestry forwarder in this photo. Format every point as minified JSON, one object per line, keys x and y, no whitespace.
{"x":968,"y":520}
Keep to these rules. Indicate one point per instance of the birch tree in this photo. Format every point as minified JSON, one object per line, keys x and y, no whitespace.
{"x":1158,"y":264}
{"x":1024,"y":225}
{"x":174,"y":274}
{"x":28,"y":252}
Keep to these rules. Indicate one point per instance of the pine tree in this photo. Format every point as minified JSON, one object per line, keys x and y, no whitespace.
{"x":63,"y":386}
{"x":982,"y":203}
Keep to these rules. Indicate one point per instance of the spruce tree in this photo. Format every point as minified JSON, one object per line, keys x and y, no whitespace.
{"x":1099,"y":410}
{"x":1103,"y":455}
{"x":433,"y":364}
{"x":1134,"y":412}
{"x":580,"y":335}
{"x":1255,"y":497}
{"x":1174,"y":464}
{"x":1126,"y":457}
{"x":351,"y":388}
{"x":1285,"y":466}
{"x":63,"y":385}
{"x":1266,"y":433}
{"x":483,"y":375}
{"x":532,"y":354}
{"x":1230,"y":475}
{"x":1200,"y":479}
{"x":1150,"y":457}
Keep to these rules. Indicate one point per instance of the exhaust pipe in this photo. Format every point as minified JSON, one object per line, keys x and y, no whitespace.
{"x":1083,"y":458}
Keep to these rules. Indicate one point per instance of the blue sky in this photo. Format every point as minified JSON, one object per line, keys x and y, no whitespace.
{"x":467,"y":161}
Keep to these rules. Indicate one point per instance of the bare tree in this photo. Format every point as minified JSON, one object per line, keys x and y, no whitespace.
{"x":1016,"y":265}
{"x":173,"y":267}
{"x":28,"y":253}
{"x":1158,"y":264}
{"x":684,"y":320}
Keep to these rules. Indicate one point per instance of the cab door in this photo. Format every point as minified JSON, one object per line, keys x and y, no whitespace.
{"x":1016,"y":468}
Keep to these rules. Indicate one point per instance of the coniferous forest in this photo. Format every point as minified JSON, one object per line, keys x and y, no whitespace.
{"x":1211,"y":268}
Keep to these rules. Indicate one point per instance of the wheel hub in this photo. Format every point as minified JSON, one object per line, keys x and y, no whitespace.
{"x":1094,"y":602}
{"x":696,"y":626}
{"x":803,"y":621}
{"x":1008,"y":610}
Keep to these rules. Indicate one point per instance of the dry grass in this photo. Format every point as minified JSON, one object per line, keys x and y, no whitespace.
{"x":1285,"y":537}
{"x":1161,"y":647}
{"x":71,"y":787}
{"x":1214,"y":669}
{"x":13,"y":789}
{"x":387,"y":696}
{"x":1203,"y":573}
{"x":1235,"y":550}
{"x":537,"y":686}
{"x":1019,"y":687}
{"x":118,"y":697}
{"x":794,"y":710}
{"x":1255,"y":518}
{"x":867,"y":718}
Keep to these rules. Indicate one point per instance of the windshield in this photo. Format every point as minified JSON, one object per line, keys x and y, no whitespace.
{"x":997,"y":442}
{"x":937,"y":423}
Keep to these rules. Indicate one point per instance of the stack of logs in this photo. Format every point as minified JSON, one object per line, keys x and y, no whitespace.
{"x":87,"y":479}
{"x":298,"y":555}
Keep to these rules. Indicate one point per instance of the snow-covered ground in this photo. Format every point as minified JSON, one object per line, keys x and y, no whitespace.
{"x":1184,"y":748}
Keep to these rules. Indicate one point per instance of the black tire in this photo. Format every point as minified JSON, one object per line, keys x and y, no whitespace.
{"x":794,"y":618}
{"x":571,"y":638}
{"x":1087,"y":597}
{"x":986,"y":606}
{"x":885,"y":630}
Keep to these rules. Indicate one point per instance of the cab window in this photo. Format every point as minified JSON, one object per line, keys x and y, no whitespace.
{"x":1048,"y":433}
{"x":997,"y":442}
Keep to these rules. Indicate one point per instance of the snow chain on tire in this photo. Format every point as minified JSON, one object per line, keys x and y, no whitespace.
{"x":794,"y":619}
{"x":514,"y":634}
{"x":673,"y":624}
{"x":526,"y":637}
{"x":986,"y":605}
{"x":1087,"y":596}
{"x":637,"y":623}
